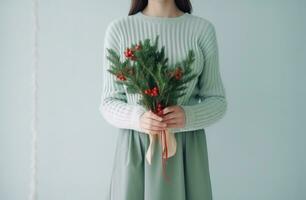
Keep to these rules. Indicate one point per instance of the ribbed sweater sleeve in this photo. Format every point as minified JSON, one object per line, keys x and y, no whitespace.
{"x":213,"y":103}
{"x":114,"y":107}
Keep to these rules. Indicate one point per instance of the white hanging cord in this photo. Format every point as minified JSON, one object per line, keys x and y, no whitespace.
{"x":34,"y":127}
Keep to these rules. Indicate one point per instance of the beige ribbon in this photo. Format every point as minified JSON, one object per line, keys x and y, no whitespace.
{"x":171,"y":145}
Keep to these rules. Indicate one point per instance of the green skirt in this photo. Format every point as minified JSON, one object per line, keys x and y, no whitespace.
{"x":133,"y":178}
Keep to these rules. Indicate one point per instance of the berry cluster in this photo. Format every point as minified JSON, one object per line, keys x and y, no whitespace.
{"x":120,"y":76}
{"x":152,"y":92}
{"x":129,"y":52}
{"x":159,"y":109}
{"x":177,"y":73}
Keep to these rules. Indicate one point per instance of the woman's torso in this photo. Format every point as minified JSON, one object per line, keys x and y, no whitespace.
{"x":178,"y":35}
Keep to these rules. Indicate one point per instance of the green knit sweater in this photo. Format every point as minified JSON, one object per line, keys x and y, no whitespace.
{"x":205,"y":100}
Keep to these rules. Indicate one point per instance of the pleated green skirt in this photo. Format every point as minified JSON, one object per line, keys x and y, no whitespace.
{"x":133,"y":178}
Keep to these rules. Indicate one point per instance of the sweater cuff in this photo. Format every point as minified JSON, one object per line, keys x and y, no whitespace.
{"x":190,"y":116}
{"x":135,"y":117}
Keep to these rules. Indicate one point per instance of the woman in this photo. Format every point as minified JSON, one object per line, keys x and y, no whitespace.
{"x":204,"y":104}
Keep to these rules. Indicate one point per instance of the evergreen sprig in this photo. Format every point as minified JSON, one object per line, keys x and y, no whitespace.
{"x":145,"y":71}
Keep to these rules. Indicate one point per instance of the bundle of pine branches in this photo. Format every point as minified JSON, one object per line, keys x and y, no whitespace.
{"x":145,"y":71}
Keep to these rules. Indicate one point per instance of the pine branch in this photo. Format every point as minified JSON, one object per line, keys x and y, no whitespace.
{"x":146,"y":67}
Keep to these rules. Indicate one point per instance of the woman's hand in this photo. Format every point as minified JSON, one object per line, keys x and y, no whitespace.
{"x":174,"y":116}
{"x":151,"y":123}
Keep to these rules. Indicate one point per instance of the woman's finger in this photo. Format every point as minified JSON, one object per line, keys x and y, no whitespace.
{"x":173,"y":125}
{"x":151,"y":127}
{"x":155,"y":116}
{"x":153,"y":122}
{"x":170,"y":116}
{"x":170,"y":121}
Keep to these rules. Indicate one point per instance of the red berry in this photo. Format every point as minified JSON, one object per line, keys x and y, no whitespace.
{"x":126,"y":52}
{"x":138,"y":47}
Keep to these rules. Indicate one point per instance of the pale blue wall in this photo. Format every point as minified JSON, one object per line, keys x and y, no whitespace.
{"x":256,"y":152}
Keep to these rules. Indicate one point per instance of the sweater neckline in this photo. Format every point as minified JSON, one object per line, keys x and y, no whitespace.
{"x":162,"y":19}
